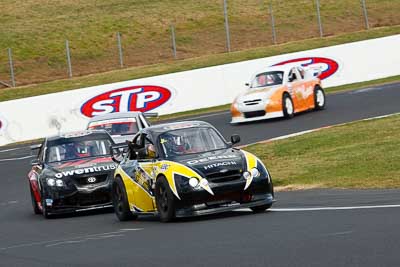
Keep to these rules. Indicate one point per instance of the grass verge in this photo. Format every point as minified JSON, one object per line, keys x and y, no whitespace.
{"x":359,"y":155}
{"x":193,"y":63}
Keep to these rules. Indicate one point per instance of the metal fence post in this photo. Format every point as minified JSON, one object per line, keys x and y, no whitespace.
{"x":228,"y":38}
{"x":321,"y":32}
{"x":10,"y":62}
{"x":68,"y":59}
{"x":119,"y":44}
{"x":365,"y":12}
{"x":272,"y":22}
{"x":173,"y":41}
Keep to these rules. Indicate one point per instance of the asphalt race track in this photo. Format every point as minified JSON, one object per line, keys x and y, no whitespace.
{"x":305,"y":228}
{"x":341,"y":108}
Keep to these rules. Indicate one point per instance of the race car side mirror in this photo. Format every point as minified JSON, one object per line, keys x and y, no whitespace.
{"x":118,"y":152}
{"x":235,"y":138}
{"x":35,"y":162}
{"x":142,"y":139}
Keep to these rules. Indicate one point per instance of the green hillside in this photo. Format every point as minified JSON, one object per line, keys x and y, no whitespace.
{"x":36,"y":30}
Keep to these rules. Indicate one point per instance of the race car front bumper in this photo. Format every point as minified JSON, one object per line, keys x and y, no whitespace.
{"x":204,"y":209}
{"x":227,"y":196}
{"x":270,"y":115}
{"x":68,"y":201}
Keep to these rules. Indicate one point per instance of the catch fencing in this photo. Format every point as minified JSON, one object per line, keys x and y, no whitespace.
{"x":222,"y":26}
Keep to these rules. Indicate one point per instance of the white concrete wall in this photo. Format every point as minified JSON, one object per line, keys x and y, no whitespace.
{"x":40,"y":116}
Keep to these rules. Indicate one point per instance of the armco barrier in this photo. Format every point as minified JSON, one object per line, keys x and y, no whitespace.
{"x":45,"y":115}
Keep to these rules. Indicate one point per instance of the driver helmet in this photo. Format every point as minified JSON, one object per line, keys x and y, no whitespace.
{"x":151,"y":151}
{"x":261,"y":80}
{"x":82,"y":149}
{"x":173,"y":144}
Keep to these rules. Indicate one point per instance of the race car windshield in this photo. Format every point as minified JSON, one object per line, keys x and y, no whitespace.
{"x":65,"y":149}
{"x":270,"y":78}
{"x":117,"y":126}
{"x":190,"y":141}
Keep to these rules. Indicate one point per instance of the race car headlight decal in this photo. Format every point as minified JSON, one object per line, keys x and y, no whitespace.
{"x":59,"y":183}
{"x":194,"y":182}
{"x":263,"y":171}
{"x":51,"y":182}
{"x":255,"y":173}
{"x":247,"y":175}
{"x":249,"y":178}
{"x":182,"y":183}
{"x":205,"y":185}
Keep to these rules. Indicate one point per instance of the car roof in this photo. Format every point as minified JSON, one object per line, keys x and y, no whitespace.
{"x":75,"y":134}
{"x":284,"y":68}
{"x":159,"y":128}
{"x":116,"y":115}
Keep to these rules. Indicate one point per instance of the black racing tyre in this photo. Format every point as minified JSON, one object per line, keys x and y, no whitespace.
{"x":120,"y":201}
{"x":259,"y":209}
{"x":35,"y":206}
{"x":319,"y":98}
{"x":165,"y":200}
{"x":287,"y":106}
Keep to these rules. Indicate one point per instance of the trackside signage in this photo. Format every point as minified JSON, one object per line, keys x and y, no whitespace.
{"x":3,"y":124}
{"x":134,"y":98}
{"x":326,"y":65}
{"x":51,"y":114}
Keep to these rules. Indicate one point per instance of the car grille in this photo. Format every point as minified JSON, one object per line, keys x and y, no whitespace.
{"x":228,"y":176}
{"x":94,"y":198}
{"x":252,"y":114}
{"x":252,"y":102}
{"x":84,"y":180}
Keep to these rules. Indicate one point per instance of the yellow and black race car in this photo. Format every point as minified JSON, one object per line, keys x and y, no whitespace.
{"x":186,"y":169}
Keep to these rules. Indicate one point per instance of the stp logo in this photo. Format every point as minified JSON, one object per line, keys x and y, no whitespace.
{"x":329,"y":66}
{"x":3,"y":124}
{"x":134,"y":98}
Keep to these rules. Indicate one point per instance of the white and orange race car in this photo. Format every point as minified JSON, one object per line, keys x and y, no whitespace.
{"x":279,"y":91}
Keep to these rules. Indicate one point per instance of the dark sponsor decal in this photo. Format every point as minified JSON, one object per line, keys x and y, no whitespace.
{"x":134,"y":98}
{"x":219,"y":164}
{"x":331,"y":66}
{"x":85,"y":171}
{"x":195,"y":161}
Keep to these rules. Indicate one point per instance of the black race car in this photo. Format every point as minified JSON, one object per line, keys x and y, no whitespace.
{"x":187,"y":169}
{"x":72,"y":172}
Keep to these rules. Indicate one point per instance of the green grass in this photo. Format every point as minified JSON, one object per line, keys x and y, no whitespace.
{"x":187,"y":64}
{"x":36,"y":30}
{"x":361,"y":155}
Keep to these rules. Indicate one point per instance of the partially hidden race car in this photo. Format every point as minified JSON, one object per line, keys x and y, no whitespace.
{"x":279,"y":91}
{"x":72,"y":172}
{"x":186,"y":169}
{"x":121,"y":126}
